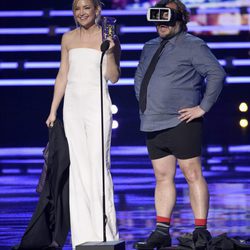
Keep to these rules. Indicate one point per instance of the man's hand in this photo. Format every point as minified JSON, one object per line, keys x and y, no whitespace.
{"x":189,"y":114}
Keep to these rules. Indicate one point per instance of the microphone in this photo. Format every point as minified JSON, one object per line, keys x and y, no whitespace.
{"x":105,"y":46}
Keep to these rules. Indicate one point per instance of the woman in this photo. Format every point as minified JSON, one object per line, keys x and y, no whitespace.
{"x":78,"y":80}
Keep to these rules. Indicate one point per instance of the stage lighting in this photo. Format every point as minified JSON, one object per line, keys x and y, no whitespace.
{"x":114,"y":109}
{"x":243,"y":107}
{"x":243,"y":123}
{"x":115,"y":124}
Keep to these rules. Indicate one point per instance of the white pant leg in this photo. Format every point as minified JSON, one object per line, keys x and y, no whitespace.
{"x":95,"y":157}
{"x":79,"y":182}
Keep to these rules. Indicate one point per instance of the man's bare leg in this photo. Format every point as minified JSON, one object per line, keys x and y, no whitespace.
{"x":198,"y":190}
{"x":165,"y":192}
{"x":199,"y":198}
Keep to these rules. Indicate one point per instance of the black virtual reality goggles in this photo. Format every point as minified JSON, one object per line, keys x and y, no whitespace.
{"x":163,"y":15}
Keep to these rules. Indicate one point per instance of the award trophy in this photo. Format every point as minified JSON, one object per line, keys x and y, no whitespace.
{"x":108,"y":27}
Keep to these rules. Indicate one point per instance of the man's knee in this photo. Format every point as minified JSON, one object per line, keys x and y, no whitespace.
{"x":192,"y":175}
{"x":164,"y":178}
{"x":191,"y":169}
{"x":164,"y":168}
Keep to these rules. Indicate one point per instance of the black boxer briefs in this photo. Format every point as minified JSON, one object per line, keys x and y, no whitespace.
{"x":183,"y":141}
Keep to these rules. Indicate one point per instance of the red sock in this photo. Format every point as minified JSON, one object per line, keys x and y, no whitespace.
{"x":200,"y":223}
{"x":163,"y":220}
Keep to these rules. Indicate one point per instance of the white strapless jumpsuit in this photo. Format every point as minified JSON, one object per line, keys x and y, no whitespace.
{"x":82,"y":121}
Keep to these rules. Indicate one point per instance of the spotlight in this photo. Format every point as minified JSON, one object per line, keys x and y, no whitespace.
{"x":243,"y":107}
{"x":115,"y":124}
{"x":114,"y":109}
{"x":243,"y":123}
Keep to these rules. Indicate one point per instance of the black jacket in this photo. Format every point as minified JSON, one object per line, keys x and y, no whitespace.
{"x":50,"y":221}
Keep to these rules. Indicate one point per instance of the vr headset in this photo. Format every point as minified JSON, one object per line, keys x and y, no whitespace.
{"x":165,"y":15}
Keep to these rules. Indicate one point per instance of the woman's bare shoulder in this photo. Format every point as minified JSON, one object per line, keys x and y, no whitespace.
{"x":70,"y":34}
{"x":69,"y":37}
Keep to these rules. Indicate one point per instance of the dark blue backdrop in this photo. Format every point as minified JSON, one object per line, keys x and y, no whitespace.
{"x":24,"y":108}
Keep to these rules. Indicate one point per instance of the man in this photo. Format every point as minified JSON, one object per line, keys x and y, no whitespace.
{"x":168,"y":85}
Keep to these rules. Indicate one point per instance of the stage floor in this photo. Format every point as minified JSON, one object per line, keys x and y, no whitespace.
{"x":227,"y":174}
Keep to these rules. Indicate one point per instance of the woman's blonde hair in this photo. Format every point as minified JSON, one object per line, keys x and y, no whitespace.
{"x":97,"y":4}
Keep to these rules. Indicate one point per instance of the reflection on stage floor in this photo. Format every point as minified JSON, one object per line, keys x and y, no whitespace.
{"x":225,"y":168}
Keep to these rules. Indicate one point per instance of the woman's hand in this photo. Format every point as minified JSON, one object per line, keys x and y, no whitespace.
{"x":50,"y":120}
{"x":112,"y":45}
{"x":189,"y":114}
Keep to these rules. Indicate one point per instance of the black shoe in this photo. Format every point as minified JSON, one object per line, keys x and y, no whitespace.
{"x":157,"y":239}
{"x":52,"y":248}
{"x":201,"y":237}
{"x":15,"y":247}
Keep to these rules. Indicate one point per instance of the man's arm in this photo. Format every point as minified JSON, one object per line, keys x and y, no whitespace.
{"x":139,"y":74}
{"x":208,"y":66}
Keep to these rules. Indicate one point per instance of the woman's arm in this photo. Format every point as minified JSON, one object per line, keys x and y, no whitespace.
{"x":113,"y":60}
{"x":60,"y":82}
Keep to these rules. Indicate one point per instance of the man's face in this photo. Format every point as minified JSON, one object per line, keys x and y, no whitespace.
{"x":166,"y":31}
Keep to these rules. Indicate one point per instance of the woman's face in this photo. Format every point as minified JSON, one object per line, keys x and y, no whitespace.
{"x":85,"y":13}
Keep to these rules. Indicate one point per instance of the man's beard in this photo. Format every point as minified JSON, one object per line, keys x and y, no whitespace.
{"x":170,"y":34}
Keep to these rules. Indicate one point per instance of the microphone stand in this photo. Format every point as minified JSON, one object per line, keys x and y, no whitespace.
{"x":104,"y":217}
{"x":105,"y":245}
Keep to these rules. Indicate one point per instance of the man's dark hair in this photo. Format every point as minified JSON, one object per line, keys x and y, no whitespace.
{"x":181,"y":9}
